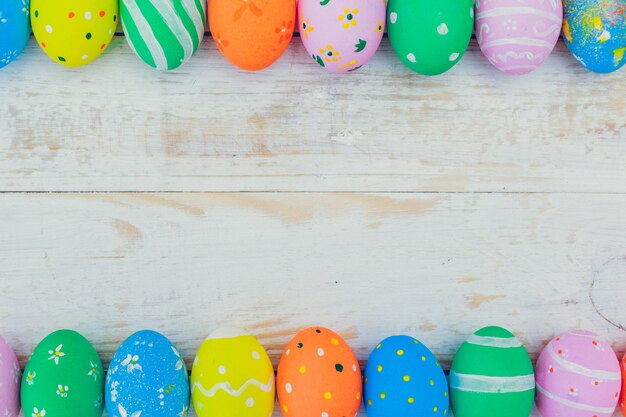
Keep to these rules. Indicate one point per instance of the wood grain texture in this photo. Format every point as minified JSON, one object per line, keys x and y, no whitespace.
{"x":118,"y":125}
{"x":368,"y":265}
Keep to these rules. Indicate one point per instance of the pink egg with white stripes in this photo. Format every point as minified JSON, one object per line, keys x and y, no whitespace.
{"x":577,"y":375}
{"x":341,"y":35}
{"x":517,"y":36}
{"x":10,"y":381}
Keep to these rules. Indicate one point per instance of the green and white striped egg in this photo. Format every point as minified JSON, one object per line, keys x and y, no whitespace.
{"x":492,"y":376}
{"x":163,"y":33}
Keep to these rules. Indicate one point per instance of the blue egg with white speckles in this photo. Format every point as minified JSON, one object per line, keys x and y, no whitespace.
{"x":595,"y":33}
{"x":403,"y":378}
{"x":147,"y":377}
{"x":14,"y":29}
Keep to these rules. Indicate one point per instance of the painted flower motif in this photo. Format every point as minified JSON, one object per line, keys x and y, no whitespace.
{"x":573,"y":392}
{"x":131,"y":363}
{"x":184,"y":412}
{"x":17,"y":373}
{"x":37,"y":413}
{"x":114,"y":392}
{"x":348,"y":17}
{"x":124,"y":413}
{"x":56,"y":354}
{"x":221,"y":43}
{"x":2,"y":19}
{"x":25,"y":6}
{"x":247,"y":4}
{"x":7,"y":413}
{"x":30,"y":378}
{"x":93,"y":371}
{"x":62,"y":390}
{"x":97,"y":403}
{"x":380,"y":27}
{"x":305,"y":27}
{"x":510,"y":24}
{"x":180,"y":364}
{"x":285,"y":31}
{"x":330,"y":54}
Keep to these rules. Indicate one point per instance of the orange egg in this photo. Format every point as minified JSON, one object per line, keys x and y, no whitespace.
{"x":318,"y":376}
{"x":252,"y":34}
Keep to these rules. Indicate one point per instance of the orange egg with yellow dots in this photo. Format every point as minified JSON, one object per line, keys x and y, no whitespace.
{"x":252,"y":34}
{"x":318,"y":376}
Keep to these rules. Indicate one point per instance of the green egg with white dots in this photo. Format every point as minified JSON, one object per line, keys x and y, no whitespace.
{"x":430,"y":37}
{"x":64,"y":377}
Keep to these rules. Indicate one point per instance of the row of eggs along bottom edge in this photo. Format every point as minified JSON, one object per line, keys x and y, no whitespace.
{"x":577,"y":375}
{"x":339,"y":35}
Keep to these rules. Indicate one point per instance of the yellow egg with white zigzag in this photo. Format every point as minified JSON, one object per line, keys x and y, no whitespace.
{"x":232,"y":376}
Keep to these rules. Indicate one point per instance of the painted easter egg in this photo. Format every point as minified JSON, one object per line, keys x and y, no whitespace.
{"x":595,"y":33}
{"x":492,"y":376}
{"x":517,"y":36}
{"x":63,"y":377}
{"x":10,"y":378}
{"x":318,"y":376}
{"x":147,"y":377}
{"x":341,"y":35}
{"x":73,"y":32}
{"x":232,"y":376}
{"x":578,"y":375}
{"x":14,"y":29}
{"x":164,"y":34}
{"x":403,"y":378}
{"x":252,"y":34}
{"x":430,"y":37}
{"x":622,"y":400}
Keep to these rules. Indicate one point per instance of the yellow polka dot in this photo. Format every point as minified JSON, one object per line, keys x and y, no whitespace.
{"x":437,"y":364}
{"x":334,"y":341}
{"x":435,"y":409}
{"x":406,"y":378}
{"x":285,"y":409}
{"x":302,"y":369}
{"x":445,"y":393}
{"x":328,"y":395}
{"x":379,"y":345}
{"x":380,"y":368}
{"x":411,"y":400}
{"x":369,"y":402}
{"x":358,"y":395}
{"x":400,"y":352}
{"x":416,"y":342}
{"x":432,"y":383}
{"x":383,"y":395}
{"x":423,"y":358}
{"x":367,"y":380}
{"x":445,"y":411}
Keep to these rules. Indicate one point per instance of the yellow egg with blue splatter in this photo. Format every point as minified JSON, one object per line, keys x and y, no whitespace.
{"x":232,"y":376}
{"x":74,"y":32}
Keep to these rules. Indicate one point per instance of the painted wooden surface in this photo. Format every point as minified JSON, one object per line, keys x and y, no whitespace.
{"x":378,"y":203}
{"x":122,"y":126}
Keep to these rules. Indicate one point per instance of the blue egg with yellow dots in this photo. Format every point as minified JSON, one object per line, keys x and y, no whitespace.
{"x":403,"y":378}
{"x":14,"y":29}
{"x":595,"y":33}
{"x":147,"y":378}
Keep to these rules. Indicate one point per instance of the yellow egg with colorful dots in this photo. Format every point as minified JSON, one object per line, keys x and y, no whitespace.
{"x":232,"y":376}
{"x":74,"y":32}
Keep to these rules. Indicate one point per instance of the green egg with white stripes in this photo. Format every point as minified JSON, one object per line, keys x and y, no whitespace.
{"x":164,"y":33}
{"x":492,"y":376}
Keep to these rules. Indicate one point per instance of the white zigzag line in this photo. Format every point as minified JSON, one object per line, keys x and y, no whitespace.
{"x":225,"y":386}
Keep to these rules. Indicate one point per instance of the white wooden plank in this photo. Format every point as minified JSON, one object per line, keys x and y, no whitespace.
{"x":117,"y":125}
{"x":368,"y":265}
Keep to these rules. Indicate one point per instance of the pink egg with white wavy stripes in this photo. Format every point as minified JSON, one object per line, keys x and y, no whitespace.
{"x":577,"y":375}
{"x":10,"y":381}
{"x":341,"y":35}
{"x":517,"y":36}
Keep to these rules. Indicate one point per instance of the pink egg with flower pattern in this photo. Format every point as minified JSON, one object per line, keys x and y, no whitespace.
{"x":341,"y":35}
{"x":517,"y":36}
{"x":10,"y":381}
{"x":577,"y":375}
